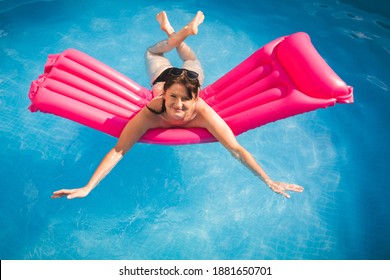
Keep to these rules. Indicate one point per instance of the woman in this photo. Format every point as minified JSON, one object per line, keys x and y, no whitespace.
{"x":176,"y":104}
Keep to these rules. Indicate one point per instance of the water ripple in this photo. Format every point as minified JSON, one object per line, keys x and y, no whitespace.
{"x":377,"y":82}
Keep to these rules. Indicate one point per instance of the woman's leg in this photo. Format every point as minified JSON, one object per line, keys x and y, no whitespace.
{"x":155,"y":59}
{"x":156,"y":62}
{"x":190,"y":61}
{"x":175,"y":39}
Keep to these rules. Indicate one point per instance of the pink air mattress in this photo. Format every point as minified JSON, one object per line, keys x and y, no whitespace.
{"x":284,"y":78}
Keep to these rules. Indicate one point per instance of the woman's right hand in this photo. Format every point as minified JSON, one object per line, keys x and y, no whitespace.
{"x":73,"y":193}
{"x":281,"y":188}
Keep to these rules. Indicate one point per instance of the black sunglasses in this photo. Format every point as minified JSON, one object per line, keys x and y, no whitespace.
{"x":177,"y":72}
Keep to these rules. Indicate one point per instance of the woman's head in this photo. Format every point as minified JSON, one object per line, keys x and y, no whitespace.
{"x":189,"y":79}
{"x":180,"y":94}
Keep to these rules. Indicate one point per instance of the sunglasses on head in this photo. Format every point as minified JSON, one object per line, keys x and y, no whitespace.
{"x":177,"y":72}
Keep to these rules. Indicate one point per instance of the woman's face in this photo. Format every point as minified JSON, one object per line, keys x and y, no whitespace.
{"x":178,"y":104}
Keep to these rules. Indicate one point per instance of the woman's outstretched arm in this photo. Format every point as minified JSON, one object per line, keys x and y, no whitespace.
{"x":134,"y":129}
{"x":222,"y":132}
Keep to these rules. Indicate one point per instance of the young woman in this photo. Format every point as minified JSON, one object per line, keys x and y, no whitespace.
{"x":175,"y":104}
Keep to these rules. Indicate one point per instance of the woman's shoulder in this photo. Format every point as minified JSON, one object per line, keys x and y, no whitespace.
{"x":202,"y":107}
{"x":155,"y":105}
{"x":204,"y":114}
{"x":158,"y":89}
{"x":156,"y":100}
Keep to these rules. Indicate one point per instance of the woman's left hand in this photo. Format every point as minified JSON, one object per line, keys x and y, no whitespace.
{"x":73,"y":193}
{"x":281,"y":188}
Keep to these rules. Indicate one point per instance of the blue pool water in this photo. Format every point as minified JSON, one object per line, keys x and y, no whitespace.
{"x":197,"y":202}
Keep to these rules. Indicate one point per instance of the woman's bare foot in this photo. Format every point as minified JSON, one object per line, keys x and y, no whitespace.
{"x":165,"y":25}
{"x":195,"y":22}
{"x":175,"y":39}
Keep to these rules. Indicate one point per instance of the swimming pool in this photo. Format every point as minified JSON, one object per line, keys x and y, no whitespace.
{"x":196,"y":202}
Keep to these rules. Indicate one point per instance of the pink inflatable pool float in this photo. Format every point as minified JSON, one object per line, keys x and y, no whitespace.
{"x":284,"y":78}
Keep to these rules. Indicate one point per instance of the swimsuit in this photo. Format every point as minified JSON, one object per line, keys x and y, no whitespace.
{"x":163,"y":109}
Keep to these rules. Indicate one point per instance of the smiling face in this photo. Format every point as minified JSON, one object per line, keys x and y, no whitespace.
{"x":179,"y":106}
